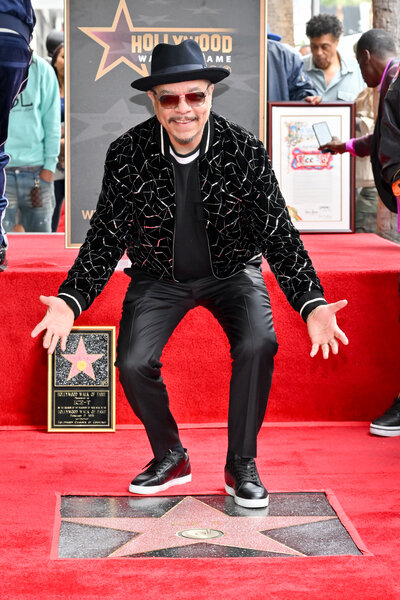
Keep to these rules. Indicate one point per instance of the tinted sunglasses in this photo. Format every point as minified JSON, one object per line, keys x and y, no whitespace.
{"x":192,"y":99}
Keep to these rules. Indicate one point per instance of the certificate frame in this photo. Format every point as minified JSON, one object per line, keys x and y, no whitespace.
{"x":318,"y":187}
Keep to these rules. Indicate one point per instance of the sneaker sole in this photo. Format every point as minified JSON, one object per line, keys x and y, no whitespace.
{"x":153,"y":489}
{"x":384,"y":431}
{"x":246,"y":502}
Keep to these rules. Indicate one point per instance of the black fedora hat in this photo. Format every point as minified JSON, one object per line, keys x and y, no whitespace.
{"x":172,"y":63}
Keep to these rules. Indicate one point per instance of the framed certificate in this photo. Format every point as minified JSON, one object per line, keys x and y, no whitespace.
{"x":318,"y":187}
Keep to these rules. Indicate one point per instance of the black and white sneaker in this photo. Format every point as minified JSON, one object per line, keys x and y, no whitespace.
{"x":3,"y":259}
{"x":243,"y":482}
{"x":388,"y":425}
{"x":173,"y":469}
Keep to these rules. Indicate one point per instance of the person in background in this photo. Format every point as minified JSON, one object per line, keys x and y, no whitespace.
{"x":34,"y":145}
{"x":17,"y":20}
{"x":285,"y":76}
{"x":336,"y":77}
{"x":376,"y":55}
{"x":366,"y":200}
{"x":388,"y":425}
{"x":53,"y":40}
{"x":193,"y":199}
{"x":57,"y":62}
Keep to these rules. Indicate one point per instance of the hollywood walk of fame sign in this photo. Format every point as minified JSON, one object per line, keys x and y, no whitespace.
{"x":109,"y":44}
{"x":81,"y":394}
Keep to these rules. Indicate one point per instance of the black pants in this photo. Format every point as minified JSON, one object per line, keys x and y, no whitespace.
{"x":151,"y":311}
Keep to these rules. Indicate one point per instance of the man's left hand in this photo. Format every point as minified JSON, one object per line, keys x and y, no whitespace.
{"x":323,"y":329}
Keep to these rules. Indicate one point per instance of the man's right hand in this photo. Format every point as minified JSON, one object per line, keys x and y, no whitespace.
{"x":57,"y":322}
{"x":335,"y":146}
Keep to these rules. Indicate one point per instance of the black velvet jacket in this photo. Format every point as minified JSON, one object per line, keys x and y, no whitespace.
{"x":245,"y":214}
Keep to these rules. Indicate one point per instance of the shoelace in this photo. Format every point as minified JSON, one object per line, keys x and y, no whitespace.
{"x":156,"y":465}
{"x":395,"y":408}
{"x":246,"y":469}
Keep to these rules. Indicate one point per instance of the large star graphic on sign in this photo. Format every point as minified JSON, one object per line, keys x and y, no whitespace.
{"x":81,"y":361}
{"x":116,"y":41}
{"x":180,"y":527}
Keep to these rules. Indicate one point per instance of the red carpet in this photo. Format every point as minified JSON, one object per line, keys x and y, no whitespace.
{"x":362,"y":471}
{"x":356,"y":385}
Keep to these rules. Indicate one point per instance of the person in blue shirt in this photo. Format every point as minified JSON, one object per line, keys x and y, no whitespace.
{"x":285,"y":74}
{"x":336,"y":77}
{"x":17,"y":20}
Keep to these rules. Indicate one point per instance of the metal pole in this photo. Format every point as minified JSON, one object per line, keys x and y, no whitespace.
{"x":315,"y":9}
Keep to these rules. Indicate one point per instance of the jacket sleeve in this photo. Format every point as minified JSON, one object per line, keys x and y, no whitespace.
{"x":362,"y":145}
{"x":300,"y":85}
{"x":50,"y":109}
{"x":280,"y":241}
{"x":389,"y":150}
{"x":105,"y":243}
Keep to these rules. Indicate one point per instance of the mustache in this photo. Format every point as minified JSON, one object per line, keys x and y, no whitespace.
{"x":182,"y":119}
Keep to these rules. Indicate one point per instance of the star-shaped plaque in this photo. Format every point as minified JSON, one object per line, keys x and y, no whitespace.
{"x":194,"y":526}
{"x":82,"y":361}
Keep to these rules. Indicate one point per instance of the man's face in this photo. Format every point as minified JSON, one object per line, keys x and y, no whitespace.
{"x":323,"y":50}
{"x":184,"y":122}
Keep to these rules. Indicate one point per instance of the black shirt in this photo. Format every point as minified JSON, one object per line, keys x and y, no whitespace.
{"x":191,"y":251}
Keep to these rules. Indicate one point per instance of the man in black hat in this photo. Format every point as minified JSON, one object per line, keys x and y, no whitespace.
{"x":193,"y":199}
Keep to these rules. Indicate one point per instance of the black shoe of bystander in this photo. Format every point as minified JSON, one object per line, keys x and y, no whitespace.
{"x":3,"y":261}
{"x":388,"y":425}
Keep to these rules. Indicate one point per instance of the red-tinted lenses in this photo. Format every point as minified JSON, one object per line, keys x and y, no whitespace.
{"x":192,"y":99}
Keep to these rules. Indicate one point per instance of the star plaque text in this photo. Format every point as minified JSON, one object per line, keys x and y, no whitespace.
{"x":81,"y":395}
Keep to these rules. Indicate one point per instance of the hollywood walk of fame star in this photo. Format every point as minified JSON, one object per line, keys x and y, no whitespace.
{"x":168,"y":531}
{"x":116,"y":41}
{"x":82,"y":361}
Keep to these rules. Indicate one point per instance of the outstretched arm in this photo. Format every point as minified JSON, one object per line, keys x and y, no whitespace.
{"x":57,"y":323}
{"x":323,"y":329}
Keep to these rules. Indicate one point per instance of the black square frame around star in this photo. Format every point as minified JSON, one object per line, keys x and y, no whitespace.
{"x":210,"y":526}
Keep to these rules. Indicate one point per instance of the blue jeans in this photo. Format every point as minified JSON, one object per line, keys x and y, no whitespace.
{"x":15,"y":58}
{"x":20,"y":210}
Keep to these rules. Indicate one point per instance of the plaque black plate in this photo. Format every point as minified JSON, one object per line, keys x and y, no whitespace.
{"x":82,"y":382}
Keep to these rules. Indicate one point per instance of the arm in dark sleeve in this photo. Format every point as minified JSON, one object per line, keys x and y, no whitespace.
{"x":389,"y":149}
{"x":285,"y":74}
{"x":104,"y":245}
{"x":300,"y":85}
{"x":280,"y":241}
{"x":362,"y":145}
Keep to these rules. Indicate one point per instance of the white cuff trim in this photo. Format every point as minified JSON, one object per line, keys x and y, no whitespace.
{"x":309,"y":302}
{"x":73,"y":298}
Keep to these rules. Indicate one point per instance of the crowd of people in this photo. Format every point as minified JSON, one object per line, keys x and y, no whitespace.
{"x":207,"y":207}
{"x":318,"y":72}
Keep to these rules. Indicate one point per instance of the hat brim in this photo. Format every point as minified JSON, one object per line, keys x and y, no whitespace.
{"x":213,"y":74}
{"x":274,"y":36}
